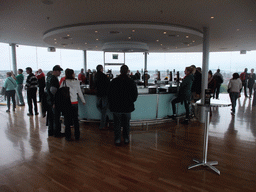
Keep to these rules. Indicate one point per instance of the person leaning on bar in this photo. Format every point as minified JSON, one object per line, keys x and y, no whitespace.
{"x":184,"y":94}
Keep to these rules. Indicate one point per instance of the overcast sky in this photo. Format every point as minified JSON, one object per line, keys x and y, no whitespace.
{"x":36,"y":58}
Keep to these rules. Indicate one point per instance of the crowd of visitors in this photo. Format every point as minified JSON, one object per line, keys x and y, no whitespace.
{"x":117,"y":94}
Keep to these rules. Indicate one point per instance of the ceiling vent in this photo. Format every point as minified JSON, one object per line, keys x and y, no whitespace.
{"x":47,"y":2}
{"x":66,"y":37}
{"x":114,"y":32}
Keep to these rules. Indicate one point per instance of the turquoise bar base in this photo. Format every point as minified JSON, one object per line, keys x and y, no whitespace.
{"x":147,"y":107}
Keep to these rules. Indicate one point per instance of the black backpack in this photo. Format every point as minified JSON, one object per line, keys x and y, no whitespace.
{"x":62,"y":99}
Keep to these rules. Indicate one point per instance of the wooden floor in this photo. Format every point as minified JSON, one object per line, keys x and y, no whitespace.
{"x":156,"y":159}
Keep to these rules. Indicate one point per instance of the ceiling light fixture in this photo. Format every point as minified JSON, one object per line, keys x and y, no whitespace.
{"x":96,"y":31}
{"x":187,"y":37}
{"x":97,"y":39}
{"x":212,"y":17}
{"x":157,"y":40}
{"x":165,"y":33}
{"x":133,"y":30}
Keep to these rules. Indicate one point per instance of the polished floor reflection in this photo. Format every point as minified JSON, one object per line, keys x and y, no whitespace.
{"x":156,"y":159}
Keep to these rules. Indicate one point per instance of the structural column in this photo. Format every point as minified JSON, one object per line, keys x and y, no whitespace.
{"x":205,"y":69}
{"x":14,"y":60}
{"x":85,"y":61}
{"x":146,"y":61}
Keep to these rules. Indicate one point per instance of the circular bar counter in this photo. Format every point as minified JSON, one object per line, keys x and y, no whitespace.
{"x":147,"y":107}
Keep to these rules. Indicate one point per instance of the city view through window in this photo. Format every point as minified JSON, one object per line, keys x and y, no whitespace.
{"x":40,"y":58}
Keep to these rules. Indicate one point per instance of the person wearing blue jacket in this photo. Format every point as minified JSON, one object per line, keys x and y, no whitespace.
{"x":10,"y":86}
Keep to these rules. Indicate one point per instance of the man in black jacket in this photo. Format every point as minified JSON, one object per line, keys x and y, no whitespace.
{"x":53,"y":114}
{"x":102,"y":84}
{"x":122,"y":95}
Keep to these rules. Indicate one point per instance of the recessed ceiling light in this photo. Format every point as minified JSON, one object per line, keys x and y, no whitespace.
{"x":157,"y":40}
{"x":161,"y":44}
{"x":129,"y":37}
{"x":193,"y":41}
{"x":68,"y":35}
{"x":238,"y":30}
{"x":133,"y":30}
{"x":55,"y":39}
{"x":165,"y":33}
{"x":187,"y":36}
{"x":212,"y":17}
{"x":96,"y":31}
{"x":97,"y":39}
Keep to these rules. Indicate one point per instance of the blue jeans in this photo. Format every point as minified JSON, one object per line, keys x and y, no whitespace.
{"x":233,"y":97}
{"x":121,"y":120}
{"x":19,"y":93}
{"x":102,"y":105}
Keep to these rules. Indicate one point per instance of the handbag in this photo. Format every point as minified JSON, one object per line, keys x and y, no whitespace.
{"x":3,"y":91}
{"x":62,"y":99}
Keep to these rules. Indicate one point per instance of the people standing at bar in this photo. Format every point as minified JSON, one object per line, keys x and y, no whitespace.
{"x":137,"y":75}
{"x":19,"y":80}
{"x":31,"y":86}
{"x":251,"y":81}
{"x":219,"y":80}
{"x":81,"y":77}
{"x":53,"y":114}
{"x":121,"y":96}
{"x":244,"y":77}
{"x":196,"y":85}
{"x":234,"y":87}
{"x":10,"y":86}
{"x":101,"y":86}
{"x":184,"y":94}
{"x":41,"y":82}
{"x":71,"y":110}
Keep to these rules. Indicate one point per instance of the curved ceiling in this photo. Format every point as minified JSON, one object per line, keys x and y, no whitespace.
{"x":161,"y":25}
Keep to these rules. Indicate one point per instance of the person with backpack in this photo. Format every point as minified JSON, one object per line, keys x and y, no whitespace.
{"x":219,"y":80}
{"x":70,"y":109}
{"x":53,"y":114}
{"x":10,"y":85}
